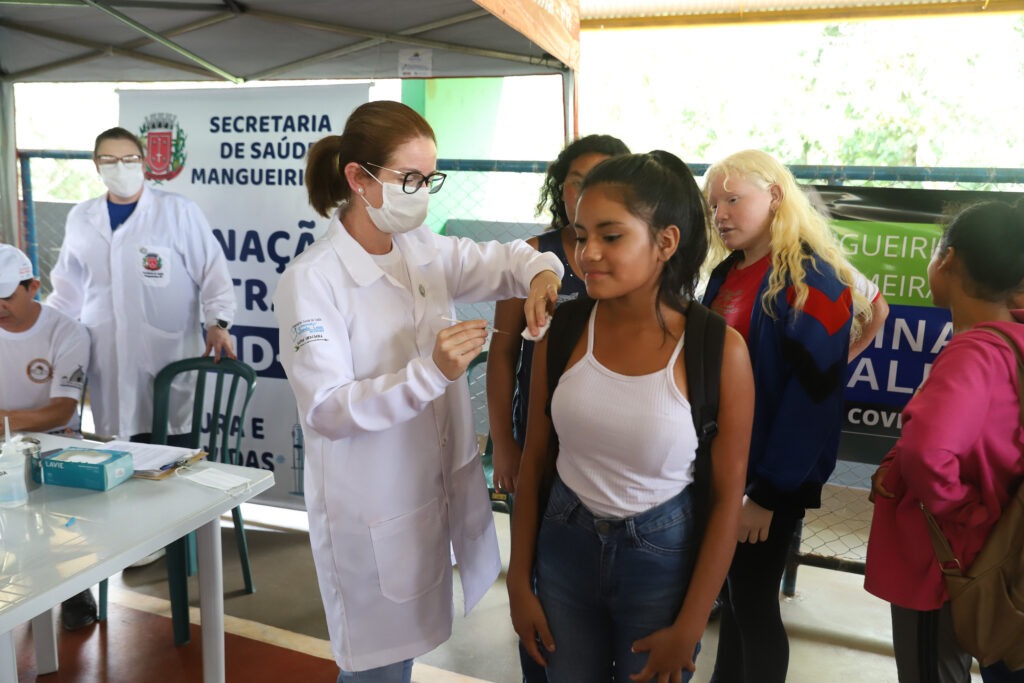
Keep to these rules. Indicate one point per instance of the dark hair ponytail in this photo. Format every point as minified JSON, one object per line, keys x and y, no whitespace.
{"x":659,"y":189}
{"x":989,"y":241}
{"x":372,"y":133}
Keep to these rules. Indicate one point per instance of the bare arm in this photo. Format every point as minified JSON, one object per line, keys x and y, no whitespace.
{"x":527,"y":614}
{"x":55,"y":414}
{"x":501,"y":382}
{"x":879,"y":312}
{"x":672,"y":648}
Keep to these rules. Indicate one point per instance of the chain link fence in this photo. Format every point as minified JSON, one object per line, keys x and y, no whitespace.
{"x":495,"y":200}
{"x":52,"y":183}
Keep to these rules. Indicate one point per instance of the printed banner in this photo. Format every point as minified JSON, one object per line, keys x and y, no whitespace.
{"x":240,"y":154}
{"x":890,"y":235}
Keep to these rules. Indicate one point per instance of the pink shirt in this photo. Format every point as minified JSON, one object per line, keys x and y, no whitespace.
{"x":961,"y":453}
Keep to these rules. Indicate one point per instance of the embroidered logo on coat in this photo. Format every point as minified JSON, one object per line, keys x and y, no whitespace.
{"x":152,"y":262}
{"x":308,"y":331}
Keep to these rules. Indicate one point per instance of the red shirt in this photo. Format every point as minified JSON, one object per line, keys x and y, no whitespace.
{"x":736,"y":299}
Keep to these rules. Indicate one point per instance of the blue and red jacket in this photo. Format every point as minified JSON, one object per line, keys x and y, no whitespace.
{"x":799,"y":360}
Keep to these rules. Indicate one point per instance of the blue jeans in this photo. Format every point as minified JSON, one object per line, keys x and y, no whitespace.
{"x":998,"y":673}
{"x":606,"y":583}
{"x":399,"y":672}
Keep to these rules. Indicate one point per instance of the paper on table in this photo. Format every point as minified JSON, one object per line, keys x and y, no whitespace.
{"x":148,"y":457}
{"x":216,"y":479}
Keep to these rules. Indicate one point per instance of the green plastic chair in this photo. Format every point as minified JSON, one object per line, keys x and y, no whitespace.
{"x":500,"y":502}
{"x":232,"y":384}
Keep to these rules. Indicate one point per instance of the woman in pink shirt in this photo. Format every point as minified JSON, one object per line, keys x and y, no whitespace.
{"x":960,"y":452}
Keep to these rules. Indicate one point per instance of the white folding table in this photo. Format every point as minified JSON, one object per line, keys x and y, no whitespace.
{"x":45,"y":558}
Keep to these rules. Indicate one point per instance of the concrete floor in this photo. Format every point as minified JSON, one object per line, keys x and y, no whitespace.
{"x":838,"y":632}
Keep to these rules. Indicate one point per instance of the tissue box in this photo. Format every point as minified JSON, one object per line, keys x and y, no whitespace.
{"x":87,"y":468}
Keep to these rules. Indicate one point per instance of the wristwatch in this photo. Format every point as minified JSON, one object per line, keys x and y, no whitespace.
{"x":223,"y":324}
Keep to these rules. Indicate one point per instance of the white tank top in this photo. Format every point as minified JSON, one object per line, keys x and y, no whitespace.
{"x":627,"y":443}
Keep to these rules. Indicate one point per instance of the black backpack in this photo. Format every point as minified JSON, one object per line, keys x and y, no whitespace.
{"x":702,"y":356}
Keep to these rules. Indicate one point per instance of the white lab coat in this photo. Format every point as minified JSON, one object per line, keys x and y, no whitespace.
{"x":137,"y":290}
{"x":392,"y":476}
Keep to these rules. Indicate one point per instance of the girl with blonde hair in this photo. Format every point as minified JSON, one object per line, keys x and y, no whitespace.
{"x":783,"y":283}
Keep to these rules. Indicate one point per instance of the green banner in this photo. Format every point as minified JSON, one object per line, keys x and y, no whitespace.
{"x":893,"y":255}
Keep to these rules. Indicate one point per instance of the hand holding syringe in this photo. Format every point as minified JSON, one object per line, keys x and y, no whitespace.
{"x":488,"y":328}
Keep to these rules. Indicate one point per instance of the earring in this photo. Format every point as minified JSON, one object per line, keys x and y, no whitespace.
{"x":360,"y":190}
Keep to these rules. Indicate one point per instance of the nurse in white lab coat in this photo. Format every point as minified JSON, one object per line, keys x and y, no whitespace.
{"x":392,"y":475}
{"x":135,"y":268}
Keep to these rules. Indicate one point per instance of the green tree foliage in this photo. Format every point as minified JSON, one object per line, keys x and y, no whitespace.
{"x":919,"y":92}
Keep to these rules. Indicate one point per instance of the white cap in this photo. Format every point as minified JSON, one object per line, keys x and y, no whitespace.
{"x":15,"y":268}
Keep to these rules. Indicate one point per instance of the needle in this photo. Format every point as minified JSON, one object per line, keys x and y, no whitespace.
{"x":488,"y":328}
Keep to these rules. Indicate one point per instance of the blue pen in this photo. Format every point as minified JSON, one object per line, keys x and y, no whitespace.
{"x":70,"y":522}
{"x":172,"y":465}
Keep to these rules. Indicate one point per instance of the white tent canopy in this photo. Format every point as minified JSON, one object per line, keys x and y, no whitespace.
{"x":176,"y":40}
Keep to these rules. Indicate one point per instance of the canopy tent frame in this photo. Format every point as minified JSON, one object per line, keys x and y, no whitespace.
{"x":550,"y":29}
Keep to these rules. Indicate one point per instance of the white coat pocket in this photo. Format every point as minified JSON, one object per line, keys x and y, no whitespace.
{"x":159,"y":347}
{"x":471,"y":504}
{"x":411,"y":553}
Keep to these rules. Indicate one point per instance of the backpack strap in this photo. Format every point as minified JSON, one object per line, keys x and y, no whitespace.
{"x":948,"y":562}
{"x":1020,"y":364}
{"x":567,"y":324}
{"x":702,"y":355}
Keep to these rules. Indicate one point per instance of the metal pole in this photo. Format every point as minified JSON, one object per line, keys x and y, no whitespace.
{"x":570,"y":122}
{"x":171,"y":45}
{"x":9,"y":221}
{"x":31,"y":245}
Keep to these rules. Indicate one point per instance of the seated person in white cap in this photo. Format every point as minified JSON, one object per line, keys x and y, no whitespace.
{"x":43,"y":359}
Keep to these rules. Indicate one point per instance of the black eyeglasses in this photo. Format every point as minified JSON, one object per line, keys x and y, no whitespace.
{"x":110,"y":159}
{"x":412,"y":181}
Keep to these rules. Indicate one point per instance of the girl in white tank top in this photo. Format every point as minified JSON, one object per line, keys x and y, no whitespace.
{"x":626,"y":442}
{"x":622,"y":588}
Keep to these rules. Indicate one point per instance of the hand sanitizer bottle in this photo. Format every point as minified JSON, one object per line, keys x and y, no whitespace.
{"x":12,"y":475}
{"x":13,"y":491}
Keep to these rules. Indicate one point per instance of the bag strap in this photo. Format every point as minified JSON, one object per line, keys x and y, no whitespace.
{"x":948,"y":562}
{"x":702,"y":356}
{"x":1020,"y":364}
{"x":567,"y":325}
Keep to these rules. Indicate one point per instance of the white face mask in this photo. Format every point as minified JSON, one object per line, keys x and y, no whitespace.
{"x":400,"y":211}
{"x":123,"y":180}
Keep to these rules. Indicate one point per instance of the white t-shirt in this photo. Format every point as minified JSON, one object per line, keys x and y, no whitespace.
{"x":867,"y":288}
{"x":46,"y":361}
